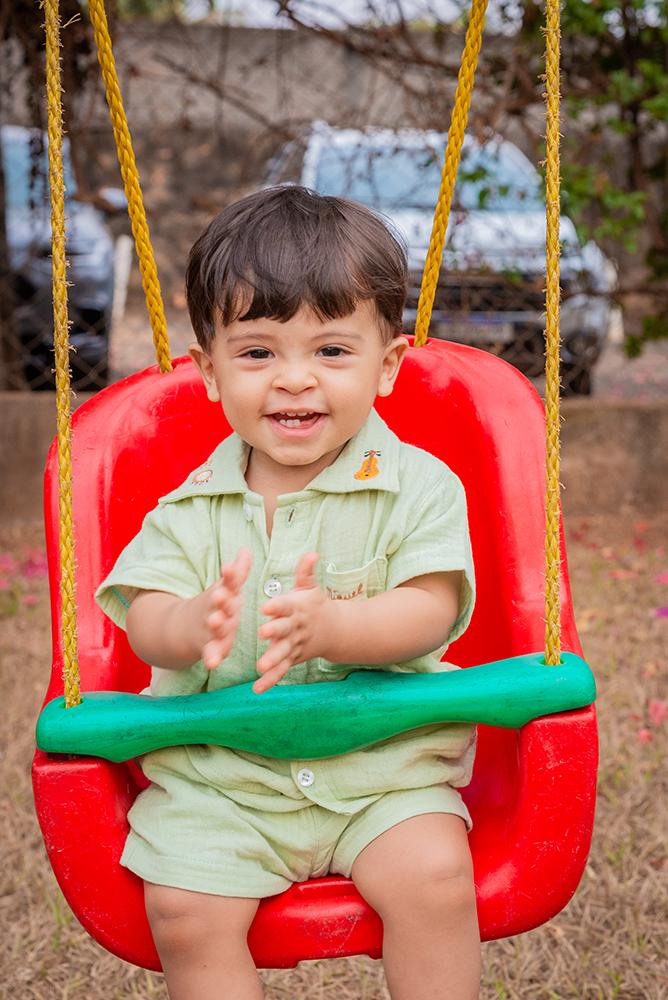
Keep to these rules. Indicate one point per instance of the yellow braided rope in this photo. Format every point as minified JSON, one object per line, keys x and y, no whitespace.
{"x":552,"y":294}
{"x":130,"y":176}
{"x":61,"y":344}
{"x":460,"y":114}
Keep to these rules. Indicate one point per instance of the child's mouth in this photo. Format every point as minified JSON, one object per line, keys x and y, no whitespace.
{"x":298,"y":425}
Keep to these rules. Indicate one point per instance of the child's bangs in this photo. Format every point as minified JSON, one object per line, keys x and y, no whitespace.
{"x":283,"y":249}
{"x":276,"y":285}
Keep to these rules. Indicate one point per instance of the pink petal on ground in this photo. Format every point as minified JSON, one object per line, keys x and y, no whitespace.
{"x":622,"y":574}
{"x":657,"y":711}
{"x":661,"y":577}
{"x":29,"y":600}
{"x":4,"y":584}
{"x":35,"y":554}
{"x":7,"y":562}
{"x":644,"y":736}
{"x":34,"y":566}
{"x":661,"y":612}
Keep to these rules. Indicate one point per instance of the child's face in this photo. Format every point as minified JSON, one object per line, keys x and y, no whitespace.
{"x":261,"y":369}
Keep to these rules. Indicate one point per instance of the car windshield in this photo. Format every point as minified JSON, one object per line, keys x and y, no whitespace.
{"x":400,"y":177}
{"x":25,"y":165}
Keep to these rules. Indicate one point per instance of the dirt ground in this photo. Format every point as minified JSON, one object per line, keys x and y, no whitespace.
{"x":609,"y":942}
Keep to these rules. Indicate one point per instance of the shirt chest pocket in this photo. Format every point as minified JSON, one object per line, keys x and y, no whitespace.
{"x":357,"y":583}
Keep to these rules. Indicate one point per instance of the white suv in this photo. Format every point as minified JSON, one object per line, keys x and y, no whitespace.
{"x":491,"y":292}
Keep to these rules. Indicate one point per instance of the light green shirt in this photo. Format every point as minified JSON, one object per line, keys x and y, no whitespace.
{"x":382,"y":513}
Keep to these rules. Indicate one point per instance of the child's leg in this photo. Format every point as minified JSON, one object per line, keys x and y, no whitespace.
{"x":202,"y":943}
{"x":418,"y":876}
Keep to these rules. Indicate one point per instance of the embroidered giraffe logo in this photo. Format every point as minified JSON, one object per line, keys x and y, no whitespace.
{"x":369,"y":467}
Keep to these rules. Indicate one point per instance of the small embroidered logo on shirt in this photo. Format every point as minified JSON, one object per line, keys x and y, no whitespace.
{"x":369,"y":467}
{"x":202,"y":476}
{"x":336,"y":596}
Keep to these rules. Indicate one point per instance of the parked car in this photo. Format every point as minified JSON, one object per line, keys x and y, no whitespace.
{"x":90,"y":251}
{"x":491,"y":291}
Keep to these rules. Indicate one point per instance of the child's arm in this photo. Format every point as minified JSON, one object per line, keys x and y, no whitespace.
{"x":412,"y":619}
{"x":170,"y":632}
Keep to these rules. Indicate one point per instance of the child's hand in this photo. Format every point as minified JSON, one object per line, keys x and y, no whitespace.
{"x":300,"y":620}
{"x":224,"y":608}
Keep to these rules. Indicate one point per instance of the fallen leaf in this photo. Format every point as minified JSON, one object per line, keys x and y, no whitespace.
{"x":586,"y":618}
{"x":650,"y":669}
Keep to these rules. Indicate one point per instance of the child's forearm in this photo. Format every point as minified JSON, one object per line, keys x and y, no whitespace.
{"x":165,"y":630}
{"x":398,"y":625}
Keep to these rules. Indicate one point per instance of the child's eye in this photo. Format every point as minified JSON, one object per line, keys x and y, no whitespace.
{"x":257,"y":354}
{"x":340,"y":351}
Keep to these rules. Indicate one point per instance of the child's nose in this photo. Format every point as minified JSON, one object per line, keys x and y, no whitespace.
{"x":295,"y":378}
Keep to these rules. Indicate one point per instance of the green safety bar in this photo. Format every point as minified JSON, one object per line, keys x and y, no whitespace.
{"x":311,"y":721}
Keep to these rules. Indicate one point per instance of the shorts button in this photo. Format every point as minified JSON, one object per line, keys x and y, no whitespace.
{"x":305,"y":777}
{"x":273,"y":587}
{"x":248,"y":512}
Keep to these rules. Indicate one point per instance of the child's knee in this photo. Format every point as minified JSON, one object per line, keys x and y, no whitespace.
{"x":180,"y":919}
{"x":439,"y":889}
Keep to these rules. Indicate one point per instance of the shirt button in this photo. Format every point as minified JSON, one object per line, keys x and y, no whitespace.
{"x":305,"y":777}
{"x":248,"y":512}
{"x":273,"y":587}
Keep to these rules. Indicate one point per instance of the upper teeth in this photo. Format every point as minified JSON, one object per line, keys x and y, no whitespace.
{"x":292,"y":418}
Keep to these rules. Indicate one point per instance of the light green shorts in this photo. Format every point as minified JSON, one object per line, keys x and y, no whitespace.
{"x":232,"y":850}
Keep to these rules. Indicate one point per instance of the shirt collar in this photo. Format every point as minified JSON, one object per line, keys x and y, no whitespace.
{"x":369,"y":461}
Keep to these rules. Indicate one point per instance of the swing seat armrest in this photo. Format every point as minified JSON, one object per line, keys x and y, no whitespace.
{"x":317,"y":720}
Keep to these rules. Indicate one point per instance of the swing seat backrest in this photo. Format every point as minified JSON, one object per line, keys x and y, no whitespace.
{"x":532,"y":793}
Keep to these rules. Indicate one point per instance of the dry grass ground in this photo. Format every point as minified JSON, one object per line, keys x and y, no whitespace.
{"x":610,"y":942}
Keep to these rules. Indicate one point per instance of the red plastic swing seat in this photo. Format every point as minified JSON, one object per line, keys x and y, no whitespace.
{"x":532,"y":793}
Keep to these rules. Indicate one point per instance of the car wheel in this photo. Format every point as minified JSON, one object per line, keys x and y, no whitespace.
{"x":526,"y":352}
{"x":575,"y":380}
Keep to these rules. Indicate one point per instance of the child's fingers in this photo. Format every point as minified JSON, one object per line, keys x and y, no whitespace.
{"x":214,"y":653}
{"x":225,"y":604}
{"x":305,"y":572}
{"x":277,"y":607}
{"x":272,"y":677}
{"x":278,"y":628}
{"x":277,"y":653}
{"x":235,"y":574}
{"x":243,"y":564}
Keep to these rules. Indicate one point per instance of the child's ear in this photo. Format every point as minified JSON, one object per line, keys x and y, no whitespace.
{"x":206,"y":370}
{"x":392,"y":360}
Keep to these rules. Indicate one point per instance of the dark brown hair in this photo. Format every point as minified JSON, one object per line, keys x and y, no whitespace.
{"x":283,"y":248}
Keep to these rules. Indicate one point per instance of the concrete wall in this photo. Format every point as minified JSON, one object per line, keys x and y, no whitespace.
{"x":173,"y":77}
{"x":614,"y":455}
